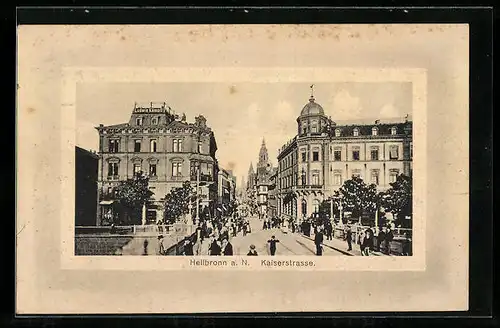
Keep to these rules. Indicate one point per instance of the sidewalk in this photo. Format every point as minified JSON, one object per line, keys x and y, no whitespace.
{"x":341,"y":246}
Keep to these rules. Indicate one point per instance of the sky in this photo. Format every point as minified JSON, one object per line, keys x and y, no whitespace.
{"x":240,"y":114}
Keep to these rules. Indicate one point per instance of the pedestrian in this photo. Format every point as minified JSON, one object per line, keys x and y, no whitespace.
{"x":161,"y":246}
{"x":252,"y":251}
{"x":188,"y":248}
{"x":381,"y":244}
{"x":348,"y":238}
{"x":272,"y":245}
{"x":145,"y":246}
{"x":214,"y":248}
{"x":318,"y":240}
{"x":389,"y":236}
{"x":199,"y":234}
{"x":227,"y":248}
{"x":329,"y":229}
{"x":244,"y":229}
{"x":367,"y":243}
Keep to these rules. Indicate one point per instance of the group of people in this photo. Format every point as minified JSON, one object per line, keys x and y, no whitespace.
{"x":368,"y":242}
{"x":218,"y":229}
{"x":271,"y":222}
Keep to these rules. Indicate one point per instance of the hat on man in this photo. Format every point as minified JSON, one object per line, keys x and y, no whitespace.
{"x":252,"y":246}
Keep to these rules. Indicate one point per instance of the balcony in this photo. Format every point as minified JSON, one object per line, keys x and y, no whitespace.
{"x":178,"y":178}
{"x":113,"y":177}
{"x":203,"y":177}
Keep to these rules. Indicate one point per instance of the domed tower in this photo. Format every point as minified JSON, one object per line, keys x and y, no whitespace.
{"x":312,"y":119}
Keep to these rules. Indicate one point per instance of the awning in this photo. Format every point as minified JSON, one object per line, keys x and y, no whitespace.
{"x":106,"y":202}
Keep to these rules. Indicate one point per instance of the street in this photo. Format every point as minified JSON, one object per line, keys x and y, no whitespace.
{"x":290,"y":243}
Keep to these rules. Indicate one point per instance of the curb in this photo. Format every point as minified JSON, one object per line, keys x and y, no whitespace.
{"x":341,"y":250}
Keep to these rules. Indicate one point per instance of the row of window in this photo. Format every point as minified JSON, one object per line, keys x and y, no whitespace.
{"x":287,"y":182}
{"x":337,"y":154}
{"x":338,"y":131}
{"x":206,"y":169}
{"x":154,"y":120}
{"x":355,"y":132}
{"x":288,"y":161}
{"x":114,"y":146}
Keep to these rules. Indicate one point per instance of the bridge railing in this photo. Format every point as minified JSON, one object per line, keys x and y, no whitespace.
{"x":126,"y":230}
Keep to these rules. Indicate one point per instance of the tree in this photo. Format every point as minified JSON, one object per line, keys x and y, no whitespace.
{"x":358,"y":197}
{"x":177,"y":202}
{"x":399,"y":198}
{"x":132,"y":195}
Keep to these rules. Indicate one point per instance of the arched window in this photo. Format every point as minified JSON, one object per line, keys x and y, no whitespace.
{"x":374,"y":131}
{"x":138,"y":121}
{"x":355,"y":132}
{"x":315,"y":206}
{"x":303,"y":177}
{"x":304,"y":207}
{"x":154,"y":121}
{"x":152,"y":146}
{"x":337,"y":132}
{"x":394,"y":130}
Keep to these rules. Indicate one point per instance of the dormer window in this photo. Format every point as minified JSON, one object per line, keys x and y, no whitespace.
{"x":154,"y":121}
{"x":394,"y":130}
{"x":138,"y":121}
{"x":337,"y":132}
{"x":374,"y":131}
{"x":355,"y":132}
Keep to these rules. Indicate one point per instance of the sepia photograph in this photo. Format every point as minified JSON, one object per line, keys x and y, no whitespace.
{"x":326,"y":171}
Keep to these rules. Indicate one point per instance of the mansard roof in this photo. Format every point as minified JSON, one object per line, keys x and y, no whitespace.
{"x":366,"y":129}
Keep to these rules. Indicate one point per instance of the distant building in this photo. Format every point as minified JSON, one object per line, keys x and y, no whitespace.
{"x":324,"y":154}
{"x":86,"y":168}
{"x":162,"y":145}
{"x":273,"y":193}
{"x":262,"y":180}
{"x":226,"y":190}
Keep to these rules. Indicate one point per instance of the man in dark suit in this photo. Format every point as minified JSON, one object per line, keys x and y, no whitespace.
{"x":381,"y":239}
{"x":214,"y":248}
{"x":318,"y":240}
{"x":272,"y":245}
{"x":227,"y":248}
{"x":348,"y":238}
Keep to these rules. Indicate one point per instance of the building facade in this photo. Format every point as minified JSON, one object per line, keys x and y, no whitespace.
{"x":273,"y":193}
{"x":86,"y":170}
{"x":324,"y":154}
{"x":226,"y":190}
{"x":262,"y":181}
{"x":162,"y":145}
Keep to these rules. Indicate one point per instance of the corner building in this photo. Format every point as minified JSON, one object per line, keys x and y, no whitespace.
{"x":324,"y":154}
{"x":165,"y":147}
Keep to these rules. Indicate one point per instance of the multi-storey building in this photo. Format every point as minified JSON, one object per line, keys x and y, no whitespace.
{"x":158,"y":143}
{"x":262,"y":180}
{"x":86,"y":164}
{"x":323,"y":154}
{"x":272,"y":195}
{"x":226,"y":190}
